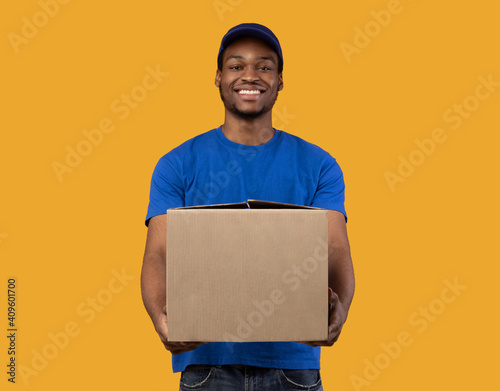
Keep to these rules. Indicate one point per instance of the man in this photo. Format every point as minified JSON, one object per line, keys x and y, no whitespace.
{"x":258,"y":162}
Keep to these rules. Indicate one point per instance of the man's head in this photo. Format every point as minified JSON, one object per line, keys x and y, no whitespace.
{"x":250,"y":30}
{"x":249,"y":73}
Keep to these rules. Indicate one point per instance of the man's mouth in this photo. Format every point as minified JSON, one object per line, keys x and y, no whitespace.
{"x":248,"y":92}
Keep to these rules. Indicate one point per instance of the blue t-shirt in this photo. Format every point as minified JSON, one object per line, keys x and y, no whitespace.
{"x":211,"y":169}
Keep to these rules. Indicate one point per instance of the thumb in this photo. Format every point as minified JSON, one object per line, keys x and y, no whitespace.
{"x":161,"y":323}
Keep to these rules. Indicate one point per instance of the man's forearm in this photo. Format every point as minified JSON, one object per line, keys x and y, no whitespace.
{"x":340,"y":269}
{"x":153,"y":284}
{"x":341,"y":276}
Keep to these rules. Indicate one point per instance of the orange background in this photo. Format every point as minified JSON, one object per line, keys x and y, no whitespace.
{"x":433,"y":223}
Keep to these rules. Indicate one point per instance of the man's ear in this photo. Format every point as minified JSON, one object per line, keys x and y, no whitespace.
{"x":280,"y":81}
{"x":218,"y":75}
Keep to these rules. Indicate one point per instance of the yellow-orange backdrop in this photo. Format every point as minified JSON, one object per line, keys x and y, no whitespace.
{"x":405,"y":95}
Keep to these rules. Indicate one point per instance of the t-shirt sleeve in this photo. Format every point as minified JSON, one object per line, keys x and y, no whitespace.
{"x":331,"y":187}
{"x":167,"y":189}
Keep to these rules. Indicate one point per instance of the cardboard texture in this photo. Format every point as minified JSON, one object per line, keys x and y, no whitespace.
{"x":246,"y":275}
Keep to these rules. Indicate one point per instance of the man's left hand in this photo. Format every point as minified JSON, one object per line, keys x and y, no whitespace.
{"x":337,"y":317}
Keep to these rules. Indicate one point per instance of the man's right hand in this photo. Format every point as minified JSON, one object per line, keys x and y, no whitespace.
{"x":162,"y":330}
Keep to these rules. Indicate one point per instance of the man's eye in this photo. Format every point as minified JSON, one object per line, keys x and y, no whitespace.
{"x":236,"y":67}
{"x":265,"y":68}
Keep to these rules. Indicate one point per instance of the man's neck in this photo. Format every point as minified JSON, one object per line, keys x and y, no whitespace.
{"x":255,"y":131}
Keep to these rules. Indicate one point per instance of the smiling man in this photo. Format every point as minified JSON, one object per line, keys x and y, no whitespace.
{"x":246,"y":158}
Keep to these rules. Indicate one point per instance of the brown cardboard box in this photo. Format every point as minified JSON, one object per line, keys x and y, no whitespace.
{"x":255,"y":271}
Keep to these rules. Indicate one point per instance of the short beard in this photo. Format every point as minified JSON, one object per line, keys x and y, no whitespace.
{"x":246,"y":116}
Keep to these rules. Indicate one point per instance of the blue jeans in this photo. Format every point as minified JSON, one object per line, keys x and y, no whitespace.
{"x":248,"y":378}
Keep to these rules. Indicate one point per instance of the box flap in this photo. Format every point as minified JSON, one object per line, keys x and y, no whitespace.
{"x":259,"y":204}
{"x":236,"y":205}
{"x":252,"y":204}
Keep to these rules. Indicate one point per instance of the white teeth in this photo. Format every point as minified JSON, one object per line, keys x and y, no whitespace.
{"x":249,"y":92}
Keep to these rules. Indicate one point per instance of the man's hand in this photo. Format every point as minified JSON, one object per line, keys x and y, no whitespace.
{"x":162,"y":330}
{"x":153,"y":283}
{"x":340,"y":276}
{"x":337,"y":317}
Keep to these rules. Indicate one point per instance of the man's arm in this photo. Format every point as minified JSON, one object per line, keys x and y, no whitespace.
{"x":340,"y":277}
{"x":153,"y":282}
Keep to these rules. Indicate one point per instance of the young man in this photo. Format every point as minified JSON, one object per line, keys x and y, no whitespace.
{"x":256,"y":162}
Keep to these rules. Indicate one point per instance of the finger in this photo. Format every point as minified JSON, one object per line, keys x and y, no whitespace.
{"x":181,"y":347}
{"x":335,"y":318}
{"x":191,"y":344}
{"x":330,"y":295}
{"x":161,"y":325}
{"x":163,"y":333}
{"x":318,"y":343}
{"x":334,"y":335}
{"x":335,"y":322}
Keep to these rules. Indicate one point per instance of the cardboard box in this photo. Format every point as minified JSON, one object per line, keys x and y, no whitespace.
{"x":254,"y":271}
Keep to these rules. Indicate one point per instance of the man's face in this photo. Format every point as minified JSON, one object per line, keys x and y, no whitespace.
{"x":249,"y":81}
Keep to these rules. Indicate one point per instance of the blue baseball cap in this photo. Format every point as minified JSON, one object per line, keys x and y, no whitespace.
{"x":252,"y":30}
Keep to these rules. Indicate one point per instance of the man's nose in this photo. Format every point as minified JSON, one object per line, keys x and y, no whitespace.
{"x":250,"y":74}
